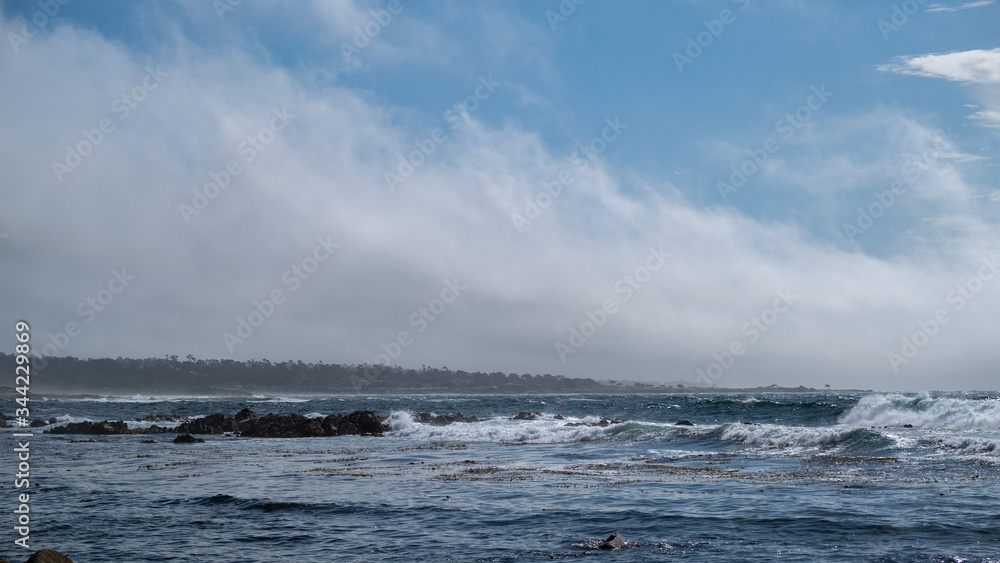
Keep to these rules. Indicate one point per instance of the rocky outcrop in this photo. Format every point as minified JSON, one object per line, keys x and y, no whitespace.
{"x":101,"y":428}
{"x":48,"y":556}
{"x":614,"y":541}
{"x":524,"y":415}
{"x":444,"y":419}
{"x":246,"y":423}
{"x":684,"y":423}
{"x":282,"y":426}
{"x":105,"y":427}
{"x":212,"y":424}
{"x":365,"y":423}
{"x":244,"y":415}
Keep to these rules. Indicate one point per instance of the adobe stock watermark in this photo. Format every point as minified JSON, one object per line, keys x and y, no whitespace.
{"x":552,"y":190}
{"x":249,"y":148}
{"x":122,"y":106}
{"x":958,"y":298}
{"x":421,"y":319}
{"x":753,"y":329}
{"x":624,"y":289}
{"x":704,"y":39}
{"x":563,"y":11}
{"x":786,"y":127}
{"x":454,"y":116}
{"x":292,"y":278}
{"x":48,"y":10}
{"x":911,"y":172}
{"x":88,"y":310}
{"x":365,"y":34}
{"x":899,"y":16}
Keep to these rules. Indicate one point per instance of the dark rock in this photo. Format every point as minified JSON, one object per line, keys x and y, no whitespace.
{"x":105,"y":427}
{"x":38,"y":423}
{"x":244,"y":415}
{"x":330,"y":424}
{"x":524,"y":415}
{"x":187,"y":439}
{"x":212,"y":424}
{"x":444,"y":419}
{"x":684,"y":423}
{"x":614,"y":541}
{"x":82,"y":441}
{"x":53,"y":420}
{"x":558,"y":417}
{"x":907,"y":426}
{"x":48,"y":556}
{"x":365,"y":423}
{"x":148,"y":441}
{"x":4,"y":560}
{"x":282,"y":426}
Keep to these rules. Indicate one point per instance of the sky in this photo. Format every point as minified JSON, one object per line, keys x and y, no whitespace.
{"x":723,"y":192}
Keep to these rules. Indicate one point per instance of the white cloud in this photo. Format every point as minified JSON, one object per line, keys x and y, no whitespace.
{"x":940,"y":7}
{"x":977,"y":66}
{"x":323,"y":175}
{"x":987,"y":118}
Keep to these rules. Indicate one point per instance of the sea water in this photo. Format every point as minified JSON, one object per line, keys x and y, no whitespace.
{"x":763,"y":477}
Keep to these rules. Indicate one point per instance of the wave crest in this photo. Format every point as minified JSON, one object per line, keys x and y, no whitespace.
{"x":925,"y":411}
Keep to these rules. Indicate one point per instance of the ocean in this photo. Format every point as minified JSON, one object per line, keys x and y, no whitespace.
{"x":762,"y":477}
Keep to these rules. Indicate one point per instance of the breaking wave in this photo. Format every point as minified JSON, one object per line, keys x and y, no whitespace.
{"x":925,"y":411}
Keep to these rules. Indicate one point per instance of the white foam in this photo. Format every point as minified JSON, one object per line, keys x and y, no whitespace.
{"x":972,"y":445}
{"x":777,"y":436}
{"x":925,"y":411}
{"x":544,"y":430}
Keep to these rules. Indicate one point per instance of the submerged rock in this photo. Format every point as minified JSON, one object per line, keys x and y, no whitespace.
{"x":524,"y":415}
{"x":603,"y":423}
{"x":614,"y":541}
{"x":684,"y":423}
{"x":187,"y":439}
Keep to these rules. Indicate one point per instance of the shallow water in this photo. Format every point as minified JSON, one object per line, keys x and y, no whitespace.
{"x":815,"y":477}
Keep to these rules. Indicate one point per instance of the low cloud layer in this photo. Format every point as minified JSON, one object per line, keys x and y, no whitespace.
{"x":162,"y":201}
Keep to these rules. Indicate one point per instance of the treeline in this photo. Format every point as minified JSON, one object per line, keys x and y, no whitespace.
{"x":171,"y":375}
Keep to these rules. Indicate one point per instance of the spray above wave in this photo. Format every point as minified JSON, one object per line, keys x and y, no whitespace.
{"x":925,"y":411}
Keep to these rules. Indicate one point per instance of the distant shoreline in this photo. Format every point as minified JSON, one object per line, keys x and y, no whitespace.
{"x":221,"y":393}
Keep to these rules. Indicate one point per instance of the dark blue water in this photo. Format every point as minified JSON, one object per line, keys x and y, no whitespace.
{"x":773,"y":477}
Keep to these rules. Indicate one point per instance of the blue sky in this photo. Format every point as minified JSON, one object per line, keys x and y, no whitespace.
{"x":913,"y":97}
